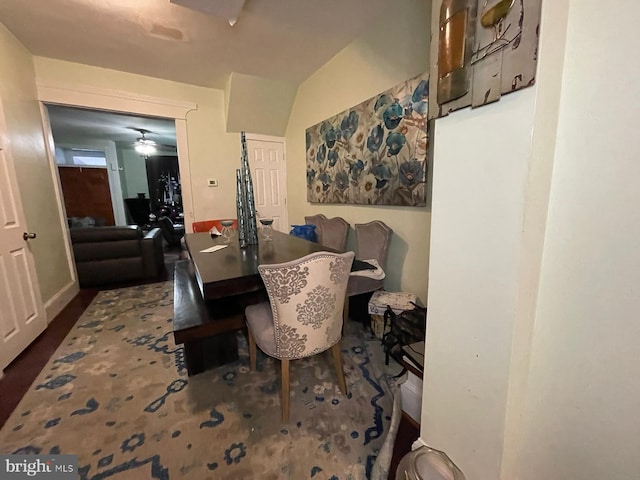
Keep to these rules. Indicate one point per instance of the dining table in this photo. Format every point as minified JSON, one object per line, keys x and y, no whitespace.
{"x":213,"y":287}
{"x":232,"y":270}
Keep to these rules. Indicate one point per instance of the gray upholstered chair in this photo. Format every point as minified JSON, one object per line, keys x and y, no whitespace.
{"x":303,"y":315}
{"x":372,"y":241}
{"x":334,"y":233}
{"x":317,"y":221}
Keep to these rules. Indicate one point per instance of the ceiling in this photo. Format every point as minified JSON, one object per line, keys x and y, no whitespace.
{"x":70,"y":125}
{"x":284,"y":40}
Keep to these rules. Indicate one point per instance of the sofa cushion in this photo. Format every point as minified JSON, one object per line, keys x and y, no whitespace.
{"x":101,"y":272}
{"x":105,"y":234}
{"x":115,"y":254}
{"x":84,"y":252}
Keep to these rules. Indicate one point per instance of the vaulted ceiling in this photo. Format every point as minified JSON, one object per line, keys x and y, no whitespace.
{"x":193,"y":41}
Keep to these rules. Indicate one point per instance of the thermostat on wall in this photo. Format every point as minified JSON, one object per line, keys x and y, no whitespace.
{"x":212,"y":182}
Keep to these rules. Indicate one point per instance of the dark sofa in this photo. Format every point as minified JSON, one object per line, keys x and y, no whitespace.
{"x":109,"y":255}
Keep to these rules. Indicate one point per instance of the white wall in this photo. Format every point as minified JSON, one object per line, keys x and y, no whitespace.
{"x":532,"y":341}
{"x":480,"y":168}
{"x":134,"y":171}
{"x":582,"y":419}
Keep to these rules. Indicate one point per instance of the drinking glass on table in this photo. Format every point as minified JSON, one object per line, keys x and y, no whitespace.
{"x":227,"y":230}
{"x":267,"y":228}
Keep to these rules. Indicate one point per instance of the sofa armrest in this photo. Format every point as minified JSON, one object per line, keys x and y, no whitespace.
{"x":152,"y":253}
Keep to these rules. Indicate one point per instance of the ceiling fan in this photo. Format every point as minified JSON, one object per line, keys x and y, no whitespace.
{"x":147,"y":147}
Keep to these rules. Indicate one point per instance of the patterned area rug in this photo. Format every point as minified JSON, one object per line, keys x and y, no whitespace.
{"x":116,"y":393}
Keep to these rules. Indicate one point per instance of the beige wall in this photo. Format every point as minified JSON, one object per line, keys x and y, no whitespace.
{"x":394,"y":50}
{"x":258,"y":105}
{"x":22,"y":112}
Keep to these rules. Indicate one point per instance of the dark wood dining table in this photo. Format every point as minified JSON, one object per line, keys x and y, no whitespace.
{"x":234,"y":270}
{"x":211,"y":290}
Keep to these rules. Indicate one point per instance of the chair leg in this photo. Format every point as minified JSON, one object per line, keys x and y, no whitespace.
{"x":284,"y":367}
{"x":345,"y":315}
{"x":337,"y":360}
{"x":252,"y":350}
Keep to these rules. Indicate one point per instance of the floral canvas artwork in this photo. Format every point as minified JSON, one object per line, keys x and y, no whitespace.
{"x":374,"y":153}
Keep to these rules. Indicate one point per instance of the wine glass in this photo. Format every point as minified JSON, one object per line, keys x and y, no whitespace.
{"x":267,"y":228}
{"x":227,"y":230}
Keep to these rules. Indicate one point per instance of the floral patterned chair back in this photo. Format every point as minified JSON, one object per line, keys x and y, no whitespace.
{"x":306,"y":297}
{"x":303,"y":315}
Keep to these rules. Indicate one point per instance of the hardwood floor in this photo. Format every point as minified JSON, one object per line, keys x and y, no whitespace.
{"x":21,"y":373}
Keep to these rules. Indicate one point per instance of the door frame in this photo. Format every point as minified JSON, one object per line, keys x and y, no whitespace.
{"x":84,"y":96}
{"x":282,"y":141}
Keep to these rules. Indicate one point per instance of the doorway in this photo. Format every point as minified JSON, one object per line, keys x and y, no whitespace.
{"x":268,"y":171}
{"x":104,"y":174}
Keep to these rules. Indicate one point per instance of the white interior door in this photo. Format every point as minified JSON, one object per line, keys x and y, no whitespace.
{"x":268,"y":171}
{"x":22,"y":316}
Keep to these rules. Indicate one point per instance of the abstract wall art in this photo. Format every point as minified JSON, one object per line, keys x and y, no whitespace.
{"x":480,"y":50}
{"x":374,"y":153}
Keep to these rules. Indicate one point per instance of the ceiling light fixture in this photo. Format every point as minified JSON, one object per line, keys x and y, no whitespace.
{"x":230,"y":10}
{"x":143,"y":145}
{"x":145,"y":149}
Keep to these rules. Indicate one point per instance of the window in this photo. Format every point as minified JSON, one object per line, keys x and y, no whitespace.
{"x":90,"y":161}
{"x":80,"y":157}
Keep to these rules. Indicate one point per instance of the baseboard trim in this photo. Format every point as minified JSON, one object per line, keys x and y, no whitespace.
{"x":55,"y":304}
{"x":418,"y":443}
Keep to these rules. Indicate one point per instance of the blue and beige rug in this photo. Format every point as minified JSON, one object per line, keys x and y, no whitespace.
{"x":116,"y":393}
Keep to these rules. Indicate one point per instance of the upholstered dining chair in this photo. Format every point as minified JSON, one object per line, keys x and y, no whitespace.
{"x":334,"y":233}
{"x":303,"y":315}
{"x":372,"y":241}
{"x":317,"y":221}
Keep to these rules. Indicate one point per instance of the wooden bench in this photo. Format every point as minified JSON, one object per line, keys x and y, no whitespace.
{"x":207,"y":329}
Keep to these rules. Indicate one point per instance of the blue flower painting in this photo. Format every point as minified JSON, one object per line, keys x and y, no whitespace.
{"x":374,"y":153}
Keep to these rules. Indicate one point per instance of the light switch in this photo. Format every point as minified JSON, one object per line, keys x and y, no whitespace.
{"x":212,"y":182}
